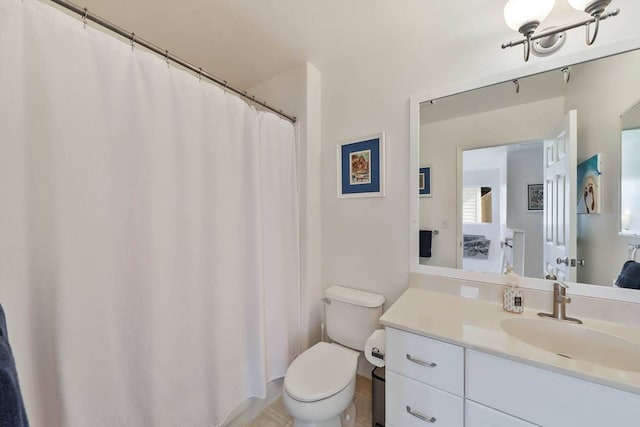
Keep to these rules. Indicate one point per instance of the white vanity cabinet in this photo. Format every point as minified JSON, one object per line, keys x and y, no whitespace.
{"x":429,"y":361}
{"x":411,"y":403}
{"x":477,"y":415}
{"x":424,"y":381}
{"x":430,"y":382}
{"x":546,"y":398}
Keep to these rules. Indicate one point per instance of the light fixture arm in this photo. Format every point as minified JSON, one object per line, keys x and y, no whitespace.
{"x":596,"y":18}
{"x":592,"y":39}
{"x":527,"y":47}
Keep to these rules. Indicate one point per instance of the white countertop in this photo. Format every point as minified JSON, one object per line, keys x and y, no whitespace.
{"x":475,"y":324}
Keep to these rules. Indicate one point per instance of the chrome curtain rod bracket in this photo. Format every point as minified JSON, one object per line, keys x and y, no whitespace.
{"x":88,"y":16}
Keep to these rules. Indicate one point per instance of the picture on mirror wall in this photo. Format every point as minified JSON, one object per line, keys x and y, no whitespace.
{"x":535,"y":197}
{"x":361,"y":167}
{"x":589,"y":173}
{"x":475,"y":246}
{"x":425,"y":181}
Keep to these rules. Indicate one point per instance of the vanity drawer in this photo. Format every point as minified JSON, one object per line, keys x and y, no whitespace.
{"x":547,"y":398}
{"x":423,"y":400}
{"x":482,"y":416}
{"x":427,"y":360}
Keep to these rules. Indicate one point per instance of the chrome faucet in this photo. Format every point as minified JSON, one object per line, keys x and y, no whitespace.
{"x":560,"y":301}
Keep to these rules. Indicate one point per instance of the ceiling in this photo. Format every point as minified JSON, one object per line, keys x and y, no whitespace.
{"x":249,"y":41}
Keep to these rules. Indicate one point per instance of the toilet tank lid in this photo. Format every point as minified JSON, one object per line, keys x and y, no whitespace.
{"x":354,"y":296}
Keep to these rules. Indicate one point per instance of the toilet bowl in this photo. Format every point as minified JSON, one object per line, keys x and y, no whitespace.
{"x":320,"y":384}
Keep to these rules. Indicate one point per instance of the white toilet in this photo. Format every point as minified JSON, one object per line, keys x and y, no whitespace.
{"x":320,"y":384}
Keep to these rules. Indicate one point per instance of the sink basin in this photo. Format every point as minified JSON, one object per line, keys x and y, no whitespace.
{"x":575,"y":342}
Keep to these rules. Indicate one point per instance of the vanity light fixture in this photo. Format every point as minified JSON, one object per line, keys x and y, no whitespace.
{"x":525,"y":16}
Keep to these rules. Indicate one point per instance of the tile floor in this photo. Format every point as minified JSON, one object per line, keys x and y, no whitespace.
{"x":275,"y":415}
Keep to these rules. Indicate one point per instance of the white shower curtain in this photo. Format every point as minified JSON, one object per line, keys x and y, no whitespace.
{"x":149,"y":257}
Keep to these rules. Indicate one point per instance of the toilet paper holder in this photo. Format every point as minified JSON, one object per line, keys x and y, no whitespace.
{"x":375,"y":352}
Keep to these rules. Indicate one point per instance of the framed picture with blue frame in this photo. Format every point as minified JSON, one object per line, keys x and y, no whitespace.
{"x":361,"y":167}
{"x":425,"y":181}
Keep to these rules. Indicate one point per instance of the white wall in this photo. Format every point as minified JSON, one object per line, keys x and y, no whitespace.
{"x":298,"y":91}
{"x":366,"y":241}
{"x":523,"y":170}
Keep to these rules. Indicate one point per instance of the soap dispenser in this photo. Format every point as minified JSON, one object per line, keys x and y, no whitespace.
{"x":513,"y":298}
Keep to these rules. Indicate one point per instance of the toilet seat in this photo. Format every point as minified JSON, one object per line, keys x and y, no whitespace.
{"x":321,"y":372}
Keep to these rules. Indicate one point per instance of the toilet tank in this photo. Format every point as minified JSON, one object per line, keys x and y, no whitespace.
{"x":351,"y":315}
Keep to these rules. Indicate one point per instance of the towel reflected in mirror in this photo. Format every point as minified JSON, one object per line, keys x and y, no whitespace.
{"x":629,"y":275}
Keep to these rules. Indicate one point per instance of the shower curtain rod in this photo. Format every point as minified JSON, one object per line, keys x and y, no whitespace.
{"x":86,"y":15}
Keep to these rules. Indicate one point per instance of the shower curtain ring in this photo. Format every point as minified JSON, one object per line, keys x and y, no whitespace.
{"x":200,"y":74}
{"x":166,"y":56}
{"x":84,"y":17}
{"x":133,"y":41}
{"x":225,"y":86}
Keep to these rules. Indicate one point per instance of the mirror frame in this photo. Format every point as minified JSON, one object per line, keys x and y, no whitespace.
{"x":551,"y":63}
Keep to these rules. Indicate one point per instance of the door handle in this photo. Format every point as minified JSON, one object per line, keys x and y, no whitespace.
{"x":420,"y":416}
{"x":421,"y":362}
{"x":570,"y":261}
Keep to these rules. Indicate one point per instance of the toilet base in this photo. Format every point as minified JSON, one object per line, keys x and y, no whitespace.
{"x":334,"y":422}
{"x":346,"y":419}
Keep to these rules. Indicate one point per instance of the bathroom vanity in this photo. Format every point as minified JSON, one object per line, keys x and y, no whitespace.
{"x":455,"y":361}
{"x":454,"y":357}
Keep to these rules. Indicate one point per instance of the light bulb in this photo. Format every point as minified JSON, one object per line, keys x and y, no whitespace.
{"x":524,"y":13}
{"x":580,"y":5}
{"x":589,"y":6}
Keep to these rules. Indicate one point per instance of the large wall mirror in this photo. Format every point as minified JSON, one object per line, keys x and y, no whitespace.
{"x":542,"y":174}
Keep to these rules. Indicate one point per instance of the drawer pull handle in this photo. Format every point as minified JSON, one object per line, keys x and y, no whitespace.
{"x":421,"y":362}
{"x":420,"y":416}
